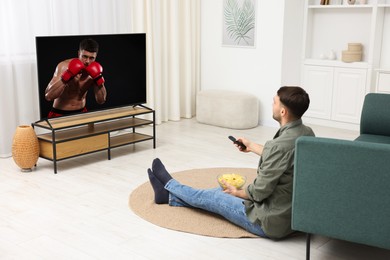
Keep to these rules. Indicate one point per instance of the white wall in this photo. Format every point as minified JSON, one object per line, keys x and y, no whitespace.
{"x":254,"y":70}
{"x":292,"y":42}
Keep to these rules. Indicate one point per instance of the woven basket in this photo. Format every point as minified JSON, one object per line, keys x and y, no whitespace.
{"x":351,"y":56}
{"x":25,"y":147}
{"x":355,"y":46}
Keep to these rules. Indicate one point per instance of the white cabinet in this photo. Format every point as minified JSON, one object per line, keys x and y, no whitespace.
{"x":337,"y":89}
{"x":336,"y":93}
{"x":318,"y":82}
{"x":349,"y":89}
{"x":383,"y":81}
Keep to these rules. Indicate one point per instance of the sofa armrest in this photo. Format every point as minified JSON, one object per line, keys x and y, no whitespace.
{"x":375,"y":118}
{"x":342,"y":190}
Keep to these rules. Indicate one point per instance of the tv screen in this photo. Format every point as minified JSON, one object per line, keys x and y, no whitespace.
{"x":121,"y":66}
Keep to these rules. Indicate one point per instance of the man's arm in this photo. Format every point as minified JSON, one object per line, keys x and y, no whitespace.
{"x":250,"y":146}
{"x":56,"y":86}
{"x":65,"y":71}
{"x":275,"y":162}
{"x":95,"y":70}
{"x":100,"y":94}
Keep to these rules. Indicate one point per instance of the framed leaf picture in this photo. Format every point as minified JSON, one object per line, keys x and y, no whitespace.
{"x":239,"y":23}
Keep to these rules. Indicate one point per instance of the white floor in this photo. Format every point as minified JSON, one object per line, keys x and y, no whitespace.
{"x":82,"y":212}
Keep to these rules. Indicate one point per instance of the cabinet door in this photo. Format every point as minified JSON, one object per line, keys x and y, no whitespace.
{"x":348,"y":94}
{"x":318,"y":82}
{"x":383,"y":82}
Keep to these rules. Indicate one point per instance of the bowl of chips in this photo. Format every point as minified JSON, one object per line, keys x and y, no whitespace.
{"x":234,"y":179}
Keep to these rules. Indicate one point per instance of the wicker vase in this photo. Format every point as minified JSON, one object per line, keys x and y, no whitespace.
{"x":25,"y":147}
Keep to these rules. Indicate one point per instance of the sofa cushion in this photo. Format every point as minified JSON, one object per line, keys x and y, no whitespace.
{"x":375,"y":117}
{"x":381,"y":139}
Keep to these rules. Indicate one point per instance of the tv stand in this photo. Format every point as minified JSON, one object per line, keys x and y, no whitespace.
{"x":80,"y":134}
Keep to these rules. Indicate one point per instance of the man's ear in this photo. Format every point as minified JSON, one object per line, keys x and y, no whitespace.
{"x":283,"y":111}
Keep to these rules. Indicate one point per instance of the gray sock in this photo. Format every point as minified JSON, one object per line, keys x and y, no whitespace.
{"x":161,"y":195}
{"x":160,"y":172}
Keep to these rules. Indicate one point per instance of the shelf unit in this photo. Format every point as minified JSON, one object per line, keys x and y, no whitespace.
{"x":66,"y":137}
{"x":337,"y":88}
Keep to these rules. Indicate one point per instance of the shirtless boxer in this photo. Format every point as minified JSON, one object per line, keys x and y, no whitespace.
{"x":73,"y":78}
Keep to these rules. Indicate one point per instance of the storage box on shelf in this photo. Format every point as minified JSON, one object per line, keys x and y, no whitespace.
{"x":80,"y":134}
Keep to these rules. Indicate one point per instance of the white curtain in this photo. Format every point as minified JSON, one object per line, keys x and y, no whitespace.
{"x":173,"y":50}
{"x":173,"y":30}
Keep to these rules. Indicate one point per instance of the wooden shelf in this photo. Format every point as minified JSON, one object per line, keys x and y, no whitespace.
{"x":92,"y":117}
{"x":67,"y":137}
{"x":128,"y":138}
{"x":105,"y":127}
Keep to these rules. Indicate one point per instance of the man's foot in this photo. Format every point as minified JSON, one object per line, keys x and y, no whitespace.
{"x":161,"y":195}
{"x":160,"y":172}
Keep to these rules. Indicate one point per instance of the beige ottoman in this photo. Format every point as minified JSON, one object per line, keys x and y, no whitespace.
{"x":230,"y":109}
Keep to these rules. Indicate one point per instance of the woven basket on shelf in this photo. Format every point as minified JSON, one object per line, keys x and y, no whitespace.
{"x":25,"y":147}
{"x":354,"y":53}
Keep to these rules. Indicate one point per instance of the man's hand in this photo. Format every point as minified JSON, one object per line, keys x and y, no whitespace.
{"x":232,"y":190}
{"x":75,"y":66}
{"x":95,"y":71}
{"x":250,"y":146}
{"x":245,"y":142}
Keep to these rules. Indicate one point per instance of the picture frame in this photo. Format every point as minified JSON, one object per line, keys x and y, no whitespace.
{"x":239,"y":23}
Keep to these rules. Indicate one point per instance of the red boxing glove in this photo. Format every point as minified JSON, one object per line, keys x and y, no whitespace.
{"x":95,"y":71}
{"x":75,"y":67}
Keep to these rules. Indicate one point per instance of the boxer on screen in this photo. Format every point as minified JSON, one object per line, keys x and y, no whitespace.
{"x":73,"y":78}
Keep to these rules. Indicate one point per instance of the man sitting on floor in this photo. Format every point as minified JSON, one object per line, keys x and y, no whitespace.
{"x":264,"y":207}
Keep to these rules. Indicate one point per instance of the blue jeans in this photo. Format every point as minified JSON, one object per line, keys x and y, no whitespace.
{"x":213,"y":200}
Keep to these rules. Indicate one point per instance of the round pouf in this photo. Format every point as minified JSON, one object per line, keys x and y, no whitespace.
{"x":230,"y":109}
{"x":25,"y":147}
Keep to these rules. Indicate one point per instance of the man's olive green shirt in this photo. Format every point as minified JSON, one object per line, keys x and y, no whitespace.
{"x":270,"y":195}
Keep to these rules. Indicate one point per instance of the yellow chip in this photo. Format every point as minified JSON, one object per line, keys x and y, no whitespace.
{"x":233,"y":179}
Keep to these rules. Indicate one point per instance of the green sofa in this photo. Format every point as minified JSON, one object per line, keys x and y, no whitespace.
{"x":341,"y":187}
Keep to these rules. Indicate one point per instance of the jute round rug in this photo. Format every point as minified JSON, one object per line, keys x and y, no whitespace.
{"x":189,"y":220}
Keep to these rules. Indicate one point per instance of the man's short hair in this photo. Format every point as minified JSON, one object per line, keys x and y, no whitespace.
{"x":295,"y":99}
{"x":89,"y":45}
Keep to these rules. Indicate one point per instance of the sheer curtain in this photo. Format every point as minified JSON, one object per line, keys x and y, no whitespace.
{"x":173,"y":51}
{"x":173,"y":27}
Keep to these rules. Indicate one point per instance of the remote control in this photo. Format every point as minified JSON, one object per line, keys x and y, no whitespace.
{"x":234,"y":140}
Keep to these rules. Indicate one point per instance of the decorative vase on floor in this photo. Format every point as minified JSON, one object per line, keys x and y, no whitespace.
{"x":25,"y":148}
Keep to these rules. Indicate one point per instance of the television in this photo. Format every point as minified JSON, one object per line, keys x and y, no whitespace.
{"x":122,"y":56}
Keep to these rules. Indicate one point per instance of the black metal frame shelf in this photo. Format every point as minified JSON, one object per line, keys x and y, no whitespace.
{"x":81,"y":134}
